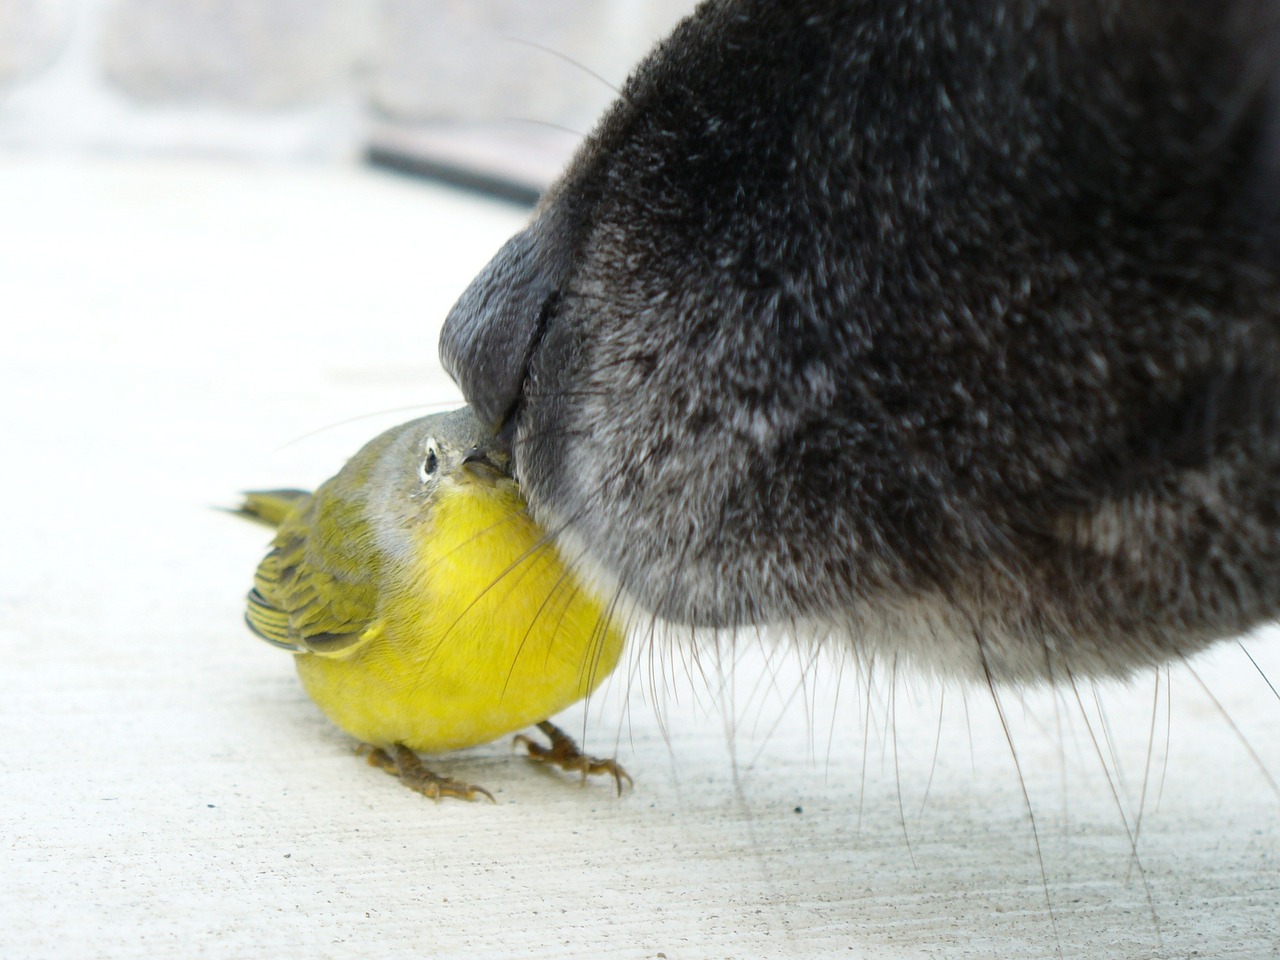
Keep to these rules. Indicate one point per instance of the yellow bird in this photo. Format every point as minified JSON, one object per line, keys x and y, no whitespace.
{"x":428,"y":612}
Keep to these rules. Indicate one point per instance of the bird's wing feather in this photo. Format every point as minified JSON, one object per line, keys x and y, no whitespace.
{"x":312,"y":593}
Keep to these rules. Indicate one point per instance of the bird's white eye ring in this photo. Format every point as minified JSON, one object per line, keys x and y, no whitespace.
{"x":430,"y":462}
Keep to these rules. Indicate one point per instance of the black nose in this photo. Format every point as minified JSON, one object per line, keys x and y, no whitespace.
{"x":492,"y":330}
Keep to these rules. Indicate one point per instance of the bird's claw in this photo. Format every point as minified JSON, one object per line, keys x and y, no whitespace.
{"x":406,"y":765}
{"x":564,"y":753}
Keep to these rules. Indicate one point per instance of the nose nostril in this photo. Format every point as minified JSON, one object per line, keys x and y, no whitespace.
{"x":493,"y":329}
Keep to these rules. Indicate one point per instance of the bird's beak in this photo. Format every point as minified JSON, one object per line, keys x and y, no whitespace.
{"x":492,"y":456}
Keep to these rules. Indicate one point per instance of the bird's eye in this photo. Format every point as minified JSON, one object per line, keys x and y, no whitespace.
{"x":430,"y":462}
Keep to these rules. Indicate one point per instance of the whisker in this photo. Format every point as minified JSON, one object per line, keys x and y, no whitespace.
{"x":866,"y":740}
{"x":937,"y":746}
{"x":835,"y":708}
{"x":1168,"y":734}
{"x":1261,"y":673}
{"x":1115,"y":786}
{"x":336,"y":424}
{"x":897,"y":771}
{"x":560,"y":55}
{"x":565,"y":576}
{"x":549,"y":124}
{"x":1146,"y":770}
{"x":1022,"y":783}
{"x":1243,"y":740}
{"x":786,"y":702}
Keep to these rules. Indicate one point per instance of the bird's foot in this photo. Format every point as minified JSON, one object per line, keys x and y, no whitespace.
{"x":564,"y":753}
{"x":404,"y":763}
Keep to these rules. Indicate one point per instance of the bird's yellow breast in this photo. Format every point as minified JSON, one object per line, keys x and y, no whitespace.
{"x":481,"y":630}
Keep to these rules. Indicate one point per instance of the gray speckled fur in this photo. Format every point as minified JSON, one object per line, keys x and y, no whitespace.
{"x":954,"y":323}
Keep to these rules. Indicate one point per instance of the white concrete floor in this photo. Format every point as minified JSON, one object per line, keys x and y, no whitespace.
{"x":176,"y":333}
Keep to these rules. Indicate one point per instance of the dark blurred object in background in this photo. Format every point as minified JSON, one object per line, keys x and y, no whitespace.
{"x":493,"y":94}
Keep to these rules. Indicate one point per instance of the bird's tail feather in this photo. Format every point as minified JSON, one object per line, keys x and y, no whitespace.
{"x":270,"y":506}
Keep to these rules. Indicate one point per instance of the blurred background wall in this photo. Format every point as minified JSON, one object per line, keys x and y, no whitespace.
{"x":501,"y":85}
